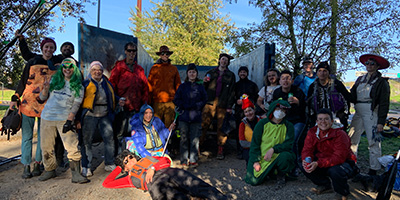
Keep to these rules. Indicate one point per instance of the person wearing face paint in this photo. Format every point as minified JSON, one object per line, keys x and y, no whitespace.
{"x":246,"y":127}
{"x":332,"y":161}
{"x":164,"y":81}
{"x":190,"y":98}
{"x":371,"y":96}
{"x":304,"y":80}
{"x":148,"y":135}
{"x":154,"y":174}
{"x":98,"y":112}
{"x":64,"y":94}
{"x":271,"y":146}
{"x":31,"y":82}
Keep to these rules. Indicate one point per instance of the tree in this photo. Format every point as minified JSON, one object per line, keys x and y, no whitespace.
{"x":13,"y":15}
{"x":193,"y":29}
{"x":339,"y":31}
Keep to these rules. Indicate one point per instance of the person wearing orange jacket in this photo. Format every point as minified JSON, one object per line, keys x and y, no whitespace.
{"x":164,"y":81}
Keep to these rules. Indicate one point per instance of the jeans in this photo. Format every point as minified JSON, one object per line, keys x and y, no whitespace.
{"x":189,"y":149}
{"x":298,"y":129}
{"x":104,"y":126}
{"x":122,"y":128}
{"x":26,"y":145}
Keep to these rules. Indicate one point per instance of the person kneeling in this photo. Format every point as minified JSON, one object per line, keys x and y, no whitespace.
{"x":331,"y":157}
{"x":271,"y":146}
{"x":160,"y":180}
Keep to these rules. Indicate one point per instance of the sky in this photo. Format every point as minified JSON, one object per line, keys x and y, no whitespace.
{"x":114,"y":15}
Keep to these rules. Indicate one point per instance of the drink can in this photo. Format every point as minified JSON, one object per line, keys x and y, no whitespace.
{"x":308,"y":161}
{"x":122,"y":99}
{"x":290,"y":95}
{"x":208,"y":77}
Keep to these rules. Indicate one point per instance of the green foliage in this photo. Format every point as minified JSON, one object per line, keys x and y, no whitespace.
{"x":194,"y":30}
{"x":13,"y":14}
{"x":304,"y":27}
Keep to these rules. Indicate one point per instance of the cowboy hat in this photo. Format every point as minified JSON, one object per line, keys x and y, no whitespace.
{"x":164,"y":49}
{"x":382,"y":62}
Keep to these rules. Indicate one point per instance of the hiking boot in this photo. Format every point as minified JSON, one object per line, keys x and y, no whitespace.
{"x":36,"y":169}
{"x":77,"y":177}
{"x":109,"y":168}
{"x":220,"y":154}
{"x":47,"y":175}
{"x":321,"y":189}
{"x":27,"y":172}
{"x":87,"y":172}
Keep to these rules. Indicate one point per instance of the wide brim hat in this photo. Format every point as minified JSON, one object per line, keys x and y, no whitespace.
{"x":226,"y":55}
{"x":164,"y":49}
{"x":382,"y":62}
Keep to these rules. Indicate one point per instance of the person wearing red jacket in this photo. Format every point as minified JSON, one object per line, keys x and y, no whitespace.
{"x":331,"y":157}
{"x":160,"y":180}
{"x":130,"y":82}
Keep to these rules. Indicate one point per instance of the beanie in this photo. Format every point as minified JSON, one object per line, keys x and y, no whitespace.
{"x":96,"y":63}
{"x":243,"y":68}
{"x":47,"y":40}
{"x":191,"y":66}
{"x":324,"y":65}
{"x":68,"y":43}
{"x":247,"y":103}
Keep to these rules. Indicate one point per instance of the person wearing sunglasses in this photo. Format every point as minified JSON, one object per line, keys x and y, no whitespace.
{"x":164,"y":81}
{"x":64,"y":94}
{"x":371,"y":98}
{"x":271,"y":146}
{"x":36,"y":71}
{"x":161,"y":181}
{"x":129,"y":82}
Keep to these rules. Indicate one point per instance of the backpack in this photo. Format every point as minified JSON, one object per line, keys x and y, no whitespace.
{"x":139,"y":172}
{"x":11,"y":122}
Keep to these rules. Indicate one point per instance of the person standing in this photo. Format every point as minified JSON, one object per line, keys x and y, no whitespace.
{"x":64,"y":93}
{"x":371,"y":96}
{"x":98,"y":112}
{"x":190,"y":98}
{"x":331,"y":160}
{"x":328,"y":92}
{"x":31,"y":82}
{"x":266,"y":93}
{"x":219,"y":84}
{"x":129,"y":82}
{"x":164,"y":80}
{"x":304,"y":80}
{"x":243,"y":86}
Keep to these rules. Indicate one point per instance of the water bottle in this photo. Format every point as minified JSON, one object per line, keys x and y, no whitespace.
{"x":308,"y":161}
{"x":290,"y":95}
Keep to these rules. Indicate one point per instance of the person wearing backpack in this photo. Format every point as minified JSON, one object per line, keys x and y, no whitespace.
{"x":328,"y":92}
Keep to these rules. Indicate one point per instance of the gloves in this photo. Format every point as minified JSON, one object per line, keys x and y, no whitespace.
{"x":67,"y":126}
{"x":376,"y":136}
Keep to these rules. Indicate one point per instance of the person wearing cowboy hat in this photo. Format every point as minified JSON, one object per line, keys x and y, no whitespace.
{"x":371,"y":98}
{"x":164,"y":81}
{"x":304,"y":80}
{"x":219,"y":84}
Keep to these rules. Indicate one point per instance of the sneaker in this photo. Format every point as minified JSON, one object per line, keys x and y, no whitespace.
{"x":109,"y":168}
{"x":87,"y":172}
{"x":220,"y":154}
{"x":321,"y":189}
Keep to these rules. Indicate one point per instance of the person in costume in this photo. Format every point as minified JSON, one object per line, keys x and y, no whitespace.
{"x":159,"y":179}
{"x":271,"y":146}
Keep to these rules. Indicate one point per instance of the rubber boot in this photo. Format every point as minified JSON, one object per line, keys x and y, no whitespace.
{"x":27,"y":172}
{"x":47,"y":175}
{"x":77,"y":177}
{"x":36,"y":169}
{"x":220,"y":154}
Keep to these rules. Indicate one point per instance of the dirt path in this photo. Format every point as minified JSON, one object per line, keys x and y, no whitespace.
{"x":227,"y":175}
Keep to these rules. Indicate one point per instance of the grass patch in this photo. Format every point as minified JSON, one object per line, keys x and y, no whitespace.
{"x":389,"y":146}
{"x":3,"y":110}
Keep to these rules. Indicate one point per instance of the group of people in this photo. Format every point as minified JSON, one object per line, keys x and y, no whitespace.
{"x":131,"y":111}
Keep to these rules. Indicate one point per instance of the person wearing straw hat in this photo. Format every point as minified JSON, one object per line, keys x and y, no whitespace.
{"x":371,"y":98}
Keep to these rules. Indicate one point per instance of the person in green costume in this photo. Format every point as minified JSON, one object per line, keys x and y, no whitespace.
{"x":271,"y":146}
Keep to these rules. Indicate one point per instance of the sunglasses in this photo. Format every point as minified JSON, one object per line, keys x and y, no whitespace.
{"x":370,"y":63}
{"x":67,"y":65}
{"x":127,"y":160}
{"x":131,"y":50}
{"x":165,"y":53}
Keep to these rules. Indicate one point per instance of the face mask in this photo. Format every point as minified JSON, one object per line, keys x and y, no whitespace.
{"x":279,"y":114}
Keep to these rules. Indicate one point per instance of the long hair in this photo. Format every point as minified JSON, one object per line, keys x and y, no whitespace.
{"x":58,"y":81}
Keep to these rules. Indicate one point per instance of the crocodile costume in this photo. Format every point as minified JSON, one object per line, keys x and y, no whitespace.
{"x":268,"y":135}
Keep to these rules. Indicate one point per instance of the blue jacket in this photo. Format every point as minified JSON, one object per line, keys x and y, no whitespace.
{"x":190,"y":98}
{"x":139,"y":136}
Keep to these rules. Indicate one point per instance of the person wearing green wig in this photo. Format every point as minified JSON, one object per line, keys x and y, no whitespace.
{"x":64,"y":94}
{"x":271,"y":146}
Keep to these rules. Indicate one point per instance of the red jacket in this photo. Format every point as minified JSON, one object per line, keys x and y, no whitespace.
{"x":330,"y":150}
{"x":126,"y":181}
{"x":131,"y":85}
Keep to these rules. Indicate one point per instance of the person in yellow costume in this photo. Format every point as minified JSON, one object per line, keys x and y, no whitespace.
{"x":271,"y":146}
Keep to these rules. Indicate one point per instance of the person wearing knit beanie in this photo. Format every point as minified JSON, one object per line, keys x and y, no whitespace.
{"x":47,"y":40}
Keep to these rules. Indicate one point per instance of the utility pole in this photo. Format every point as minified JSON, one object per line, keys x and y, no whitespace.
{"x":98,"y":13}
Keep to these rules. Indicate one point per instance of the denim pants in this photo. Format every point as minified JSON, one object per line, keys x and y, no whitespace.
{"x":26,"y":145}
{"x":189,"y":145}
{"x":298,"y":129}
{"x":104,"y":126}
